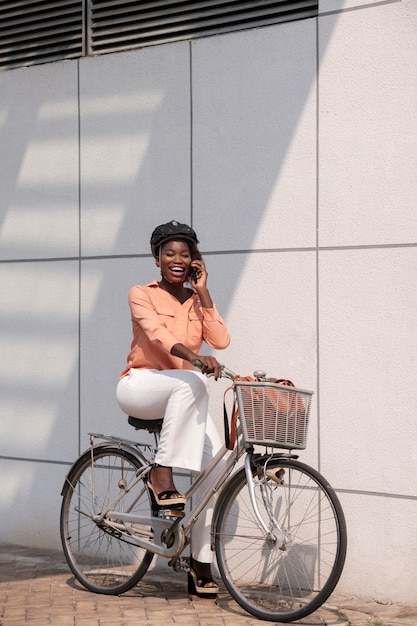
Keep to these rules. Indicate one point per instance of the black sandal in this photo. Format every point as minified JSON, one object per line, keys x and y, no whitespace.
{"x":165,"y":499}
{"x":168,"y":499}
{"x":197,"y":586}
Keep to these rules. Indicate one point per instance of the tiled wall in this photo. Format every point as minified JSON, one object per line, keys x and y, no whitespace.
{"x":291,"y":150}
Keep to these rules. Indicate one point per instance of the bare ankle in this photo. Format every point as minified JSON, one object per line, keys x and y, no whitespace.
{"x":201,"y":569}
{"x":161,"y":478}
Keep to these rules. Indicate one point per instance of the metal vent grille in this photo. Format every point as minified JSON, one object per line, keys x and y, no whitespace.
{"x":127,"y":25}
{"x":41,"y":31}
{"x":38,"y":31}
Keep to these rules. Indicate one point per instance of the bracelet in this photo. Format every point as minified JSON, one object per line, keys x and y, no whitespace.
{"x":197,"y":363}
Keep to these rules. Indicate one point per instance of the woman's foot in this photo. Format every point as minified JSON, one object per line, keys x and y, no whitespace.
{"x":162,"y":487}
{"x":200,"y":580}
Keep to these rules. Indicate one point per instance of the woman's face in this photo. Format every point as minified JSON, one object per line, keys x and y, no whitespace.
{"x":174,"y":261}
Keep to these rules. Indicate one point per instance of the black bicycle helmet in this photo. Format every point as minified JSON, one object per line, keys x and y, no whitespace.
{"x":169,"y":231}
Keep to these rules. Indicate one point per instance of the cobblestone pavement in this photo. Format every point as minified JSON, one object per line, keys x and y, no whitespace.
{"x":36,"y":587}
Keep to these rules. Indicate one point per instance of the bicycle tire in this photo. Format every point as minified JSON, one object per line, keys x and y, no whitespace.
{"x":102,"y":560}
{"x":281,"y":577}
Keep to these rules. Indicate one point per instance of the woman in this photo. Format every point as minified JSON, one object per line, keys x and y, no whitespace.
{"x":170,"y":322}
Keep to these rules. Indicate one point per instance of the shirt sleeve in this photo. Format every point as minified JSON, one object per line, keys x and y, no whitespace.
{"x":215,"y":333}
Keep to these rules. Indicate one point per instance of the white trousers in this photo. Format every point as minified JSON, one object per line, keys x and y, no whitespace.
{"x":189,"y":438}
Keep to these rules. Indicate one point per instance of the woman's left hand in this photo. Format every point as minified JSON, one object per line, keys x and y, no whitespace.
{"x":202,"y":274}
{"x":201,"y":285}
{"x":209,"y":365}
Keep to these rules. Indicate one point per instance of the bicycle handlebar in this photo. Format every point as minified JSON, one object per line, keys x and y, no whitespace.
{"x":226,"y":373}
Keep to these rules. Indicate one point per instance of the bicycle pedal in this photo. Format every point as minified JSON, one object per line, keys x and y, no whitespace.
{"x":277,"y":475}
{"x":180,"y":564}
{"x":171,"y":514}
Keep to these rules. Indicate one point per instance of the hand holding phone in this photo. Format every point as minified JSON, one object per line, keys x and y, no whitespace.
{"x":193,"y":275}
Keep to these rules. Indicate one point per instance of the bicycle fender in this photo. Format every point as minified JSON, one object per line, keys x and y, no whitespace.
{"x":99,"y":446}
{"x":256,"y":461}
{"x":275,"y":458}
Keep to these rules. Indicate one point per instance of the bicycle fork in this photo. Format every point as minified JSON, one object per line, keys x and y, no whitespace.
{"x":274,"y":535}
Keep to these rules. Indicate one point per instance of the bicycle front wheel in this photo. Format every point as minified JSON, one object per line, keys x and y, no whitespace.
{"x":288,"y":570}
{"x":102,"y":558}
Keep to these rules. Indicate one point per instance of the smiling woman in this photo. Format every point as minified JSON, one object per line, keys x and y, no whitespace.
{"x":175,"y":262}
{"x":170,"y":322}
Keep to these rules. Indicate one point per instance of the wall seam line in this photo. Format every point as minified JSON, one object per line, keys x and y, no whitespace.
{"x":318,"y":247}
{"x":79,"y":256}
{"x":143,"y":255}
{"x":191,"y":134}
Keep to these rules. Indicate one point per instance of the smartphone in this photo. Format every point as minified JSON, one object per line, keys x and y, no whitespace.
{"x":193,"y":275}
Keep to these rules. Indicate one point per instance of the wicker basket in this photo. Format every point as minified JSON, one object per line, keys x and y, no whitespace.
{"x":273,"y":415}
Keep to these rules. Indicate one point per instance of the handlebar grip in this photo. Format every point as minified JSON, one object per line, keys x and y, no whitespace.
{"x":225,"y":372}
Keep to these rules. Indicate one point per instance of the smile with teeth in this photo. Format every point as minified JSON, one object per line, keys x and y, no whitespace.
{"x":178,"y":271}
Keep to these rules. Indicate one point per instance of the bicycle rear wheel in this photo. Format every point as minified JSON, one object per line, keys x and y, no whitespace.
{"x":102,"y":559}
{"x":289,"y":572}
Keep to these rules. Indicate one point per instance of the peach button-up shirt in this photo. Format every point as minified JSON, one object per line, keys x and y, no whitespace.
{"x":159,"y":321}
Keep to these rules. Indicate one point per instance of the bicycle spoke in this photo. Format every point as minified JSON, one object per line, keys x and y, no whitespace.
{"x":288,"y":573}
{"x":101,"y":558}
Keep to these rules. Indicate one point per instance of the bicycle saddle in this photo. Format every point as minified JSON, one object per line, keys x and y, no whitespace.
{"x":152,"y":426}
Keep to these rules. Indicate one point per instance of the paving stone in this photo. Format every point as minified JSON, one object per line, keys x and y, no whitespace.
{"x":36,"y":587}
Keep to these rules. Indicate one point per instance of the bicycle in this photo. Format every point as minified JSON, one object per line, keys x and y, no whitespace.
{"x":278,"y":528}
